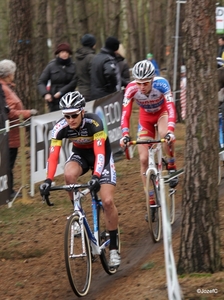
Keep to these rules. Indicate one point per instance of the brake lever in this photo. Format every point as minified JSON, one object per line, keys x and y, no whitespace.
{"x":47,"y":200}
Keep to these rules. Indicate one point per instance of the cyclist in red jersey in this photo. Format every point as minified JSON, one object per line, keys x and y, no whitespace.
{"x":91,"y":150}
{"x":154,"y":98}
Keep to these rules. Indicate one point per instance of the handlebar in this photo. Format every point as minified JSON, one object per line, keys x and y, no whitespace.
{"x":68,"y":188}
{"x":149,"y":142}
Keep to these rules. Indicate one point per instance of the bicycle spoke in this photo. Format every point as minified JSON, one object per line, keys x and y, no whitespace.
{"x":153,"y":209}
{"x":77,"y":257}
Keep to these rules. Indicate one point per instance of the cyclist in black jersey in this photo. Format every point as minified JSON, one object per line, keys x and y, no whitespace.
{"x":91,"y":151}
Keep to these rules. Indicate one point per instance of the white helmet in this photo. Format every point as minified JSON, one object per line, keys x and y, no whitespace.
{"x":143,"y":70}
{"x":72,"y":102}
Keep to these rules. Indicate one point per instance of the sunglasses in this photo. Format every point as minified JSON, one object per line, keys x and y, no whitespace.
{"x":72,"y":116}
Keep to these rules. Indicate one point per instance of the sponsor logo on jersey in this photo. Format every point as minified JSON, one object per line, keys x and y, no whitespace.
{"x":57,"y":127}
{"x":99,"y":143}
{"x":51,"y":149}
{"x":169,"y":97}
{"x":55,"y":142}
{"x":81,"y":140}
{"x":162,"y":85}
{"x":100,"y":163}
{"x":126,"y":101}
{"x":100,"y":135}
{"x":95,"y":123}
{"x":105,"y":172}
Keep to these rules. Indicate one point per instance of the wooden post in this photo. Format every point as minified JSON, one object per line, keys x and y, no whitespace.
{"x":23,"y":157}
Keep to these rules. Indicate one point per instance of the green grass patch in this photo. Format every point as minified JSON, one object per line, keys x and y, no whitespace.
{"x":16,"y":254}
{"x":147,"y":266}
{"x":196,"y":275}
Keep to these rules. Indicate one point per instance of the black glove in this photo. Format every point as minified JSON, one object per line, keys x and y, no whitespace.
{"x":95,"y":183}
{"x":7,"y":109}
{"x":126,"y":139}
{"x":170,"y":137}
{"x":45,"y":187}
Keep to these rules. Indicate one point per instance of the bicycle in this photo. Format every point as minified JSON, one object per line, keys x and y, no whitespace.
{"x":153,"y":175}
{"x":82,"y":245}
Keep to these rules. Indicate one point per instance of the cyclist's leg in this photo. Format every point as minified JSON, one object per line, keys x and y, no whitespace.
{"x":168,"y":147}
{"x":162,"y":129}
{"x":75,"y":166}
{"x":111,"y":221}
{"x":110,"y":210}
{"x":146,"y":131}
{"x":108,"y":182}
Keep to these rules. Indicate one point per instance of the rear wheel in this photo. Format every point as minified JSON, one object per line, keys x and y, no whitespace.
{"x":104,"y":238}
{"x":153,"y":210}
{"x":77,"y":257}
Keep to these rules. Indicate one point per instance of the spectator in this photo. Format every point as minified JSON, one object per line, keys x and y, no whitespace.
{"x":123,"y":66}
{"x":221,"y":47}
{"x":105,"y":74}
{"x":153,"y":61}
{"x":61,"y":72}
{"x":15,"y":108}
{"x":84,"y":56}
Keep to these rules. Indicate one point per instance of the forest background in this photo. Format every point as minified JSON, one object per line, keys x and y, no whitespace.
{"x":30,"y":30}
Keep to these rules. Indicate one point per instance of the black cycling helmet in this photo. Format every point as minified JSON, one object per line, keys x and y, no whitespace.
{"x":72,"y":102}
{"x":143,"y":70}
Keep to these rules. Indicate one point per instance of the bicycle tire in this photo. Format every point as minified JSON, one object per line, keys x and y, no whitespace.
{"x":103,"y":237}
{"x":172,"y":205}
{"x":153,"y":212}
{"x":79,"y":268}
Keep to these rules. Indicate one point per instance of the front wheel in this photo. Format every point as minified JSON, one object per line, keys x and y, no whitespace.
{"x":153,"y":206}
{"x":77,"y":256}
{"x":104,"y":239}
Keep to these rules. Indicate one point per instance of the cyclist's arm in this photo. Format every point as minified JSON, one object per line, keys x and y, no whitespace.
{"x":99,"y":144}
{"x":53,"y":158}
{"x":128,"y":100}
{"x":171,"y":111}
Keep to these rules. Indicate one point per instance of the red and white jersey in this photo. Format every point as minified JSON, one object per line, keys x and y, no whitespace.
{"x":159,"y":98}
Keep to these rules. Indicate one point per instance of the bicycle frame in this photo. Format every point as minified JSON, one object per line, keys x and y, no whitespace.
{"x":152,"y":166}
{"x":92,"y":235}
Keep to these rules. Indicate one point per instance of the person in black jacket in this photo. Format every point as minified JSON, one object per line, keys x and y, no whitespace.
{"x":105,"y":74}
{"x":61,"y":73}
{"x":83,"y":60}
{"x":123,"y":66}
{"x":221,"y":47}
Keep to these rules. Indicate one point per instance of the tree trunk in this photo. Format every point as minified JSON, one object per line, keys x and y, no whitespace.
{"x":61,"y":33}
{"x":21,"y":42}
{"x":200,"y":237}
{"x":133,"y":37}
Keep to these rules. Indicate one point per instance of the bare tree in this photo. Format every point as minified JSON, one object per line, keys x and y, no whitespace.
{"x":41,"y":47}
{"x":60,"y":33}
{"x":133,"y":37}
{"x":3,"y":29}
{"x":200,"y":237}
{"x":113,"y":10}
{"x":21,"y":41}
